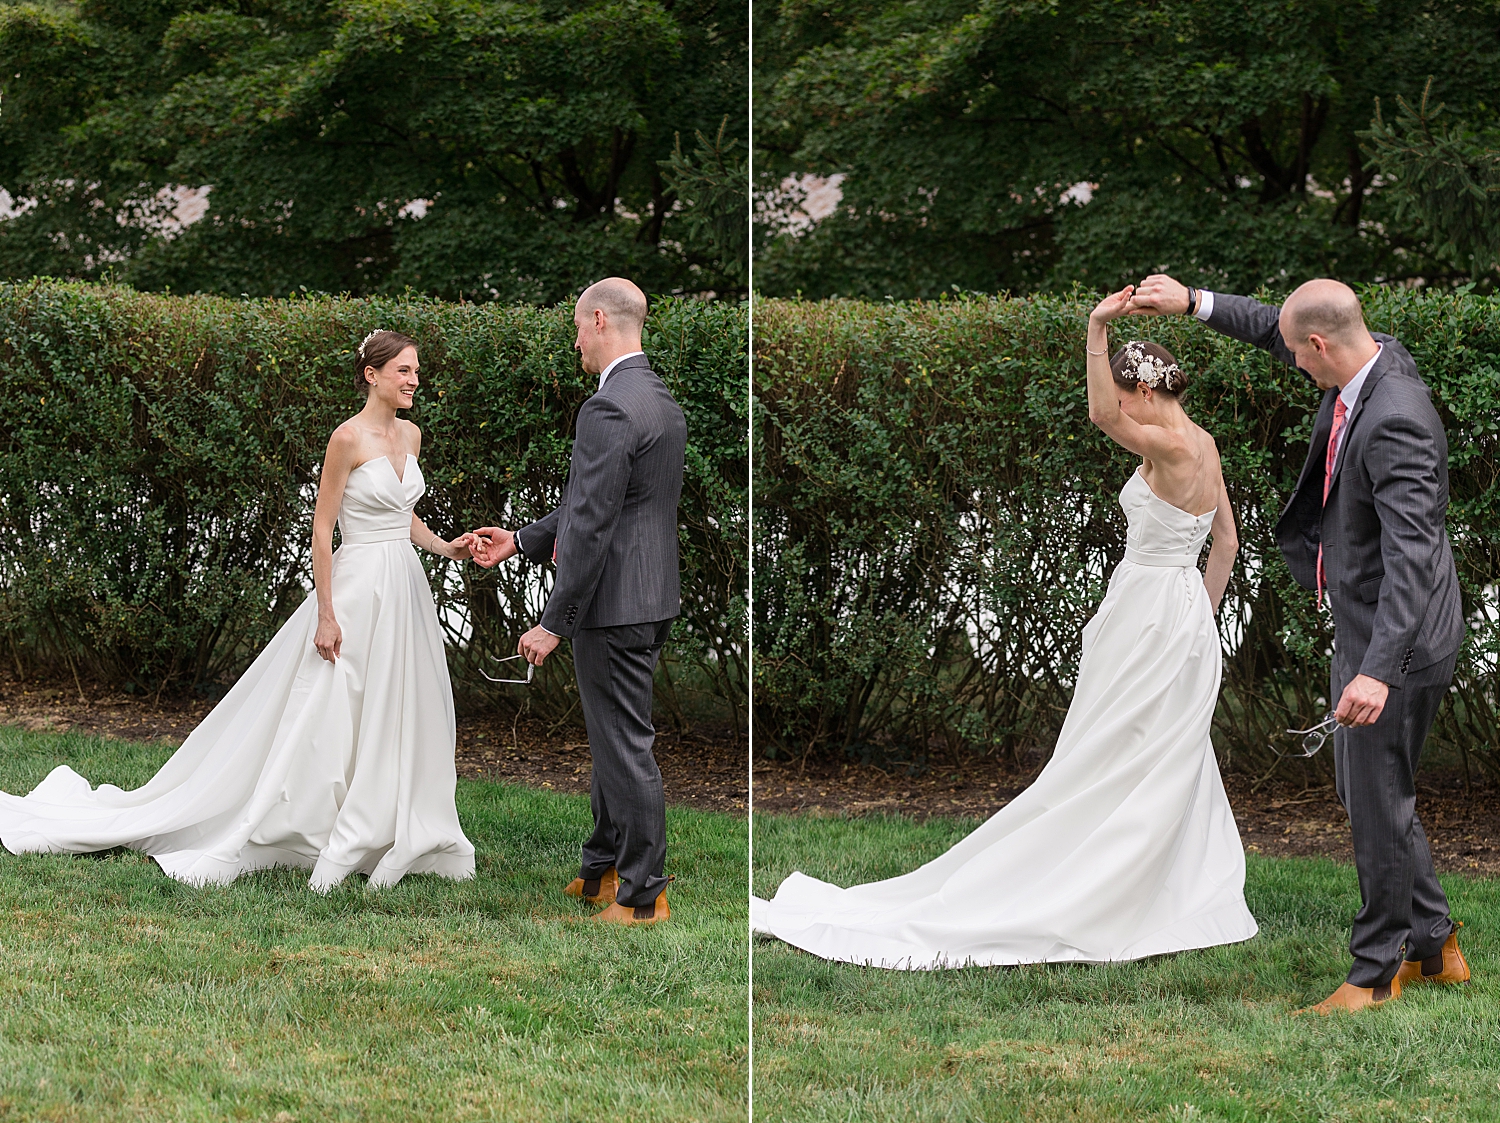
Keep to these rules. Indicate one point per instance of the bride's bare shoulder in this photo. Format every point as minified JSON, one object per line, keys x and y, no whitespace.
{"x":1209,"y":446}
{"x":345,"y":440}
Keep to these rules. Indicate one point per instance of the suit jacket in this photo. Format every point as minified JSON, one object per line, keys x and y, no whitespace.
{"x":615,"y":531}
{"x":1389,"y":567}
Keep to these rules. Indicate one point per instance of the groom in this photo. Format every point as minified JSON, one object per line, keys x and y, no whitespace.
{"x":1364,"y":528}
{"x":613,"y":540}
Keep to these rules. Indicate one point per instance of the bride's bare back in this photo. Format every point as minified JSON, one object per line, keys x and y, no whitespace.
{"x":1190,"y":479}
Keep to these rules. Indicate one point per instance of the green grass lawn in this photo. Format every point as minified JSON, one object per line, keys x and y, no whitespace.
{"x":125,"y":995}
{"x":1202,"y":1035}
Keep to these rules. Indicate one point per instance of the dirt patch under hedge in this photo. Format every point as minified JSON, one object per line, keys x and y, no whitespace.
{"x":702,"y":767}
{"x":1281,"y":818}
{"x":705,"y":768}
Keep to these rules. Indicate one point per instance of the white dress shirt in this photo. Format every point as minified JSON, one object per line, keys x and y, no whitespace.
{"x":603,"y":374}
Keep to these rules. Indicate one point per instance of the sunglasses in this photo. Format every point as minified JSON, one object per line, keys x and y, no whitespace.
{"x":530,"y":671}
{"x":1313,"y":739}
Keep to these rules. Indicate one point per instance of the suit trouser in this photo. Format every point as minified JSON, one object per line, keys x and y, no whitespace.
{"x":615,"y":668}
{"x":1402,"y":904}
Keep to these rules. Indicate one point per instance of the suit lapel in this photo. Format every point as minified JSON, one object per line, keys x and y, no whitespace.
{"x":1317,"y":449}
{"x":1377,"y":372}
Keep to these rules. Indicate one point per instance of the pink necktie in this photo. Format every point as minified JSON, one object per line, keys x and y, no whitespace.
{"x":1333,"y":450}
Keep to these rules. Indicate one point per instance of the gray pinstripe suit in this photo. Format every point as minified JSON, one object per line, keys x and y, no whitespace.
{"x":1397,"y":617}
{"x":616,"y":593}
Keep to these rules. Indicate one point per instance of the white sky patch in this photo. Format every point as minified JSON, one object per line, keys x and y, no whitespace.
{"x":1081,"y":193}
{"x":11,"y":207}
{"x":189,"y":205}
{"x":168,"y":212}
{"x":800,"y":202}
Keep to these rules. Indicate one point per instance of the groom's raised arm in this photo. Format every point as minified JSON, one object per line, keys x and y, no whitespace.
{"x":1239,"y":317}
{"x":603,"y":454}
{"x":1249,"y":321}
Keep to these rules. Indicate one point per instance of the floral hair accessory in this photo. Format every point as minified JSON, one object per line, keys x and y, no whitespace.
{"x":1148,"y":369}
{"x":366,"y":341}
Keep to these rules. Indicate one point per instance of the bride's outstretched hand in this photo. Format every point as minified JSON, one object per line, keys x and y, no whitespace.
{"x":462,"y":547}
{"x":1114,"y":305}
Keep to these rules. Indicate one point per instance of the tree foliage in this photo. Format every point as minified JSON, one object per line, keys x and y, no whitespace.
{"x":466,"y":148}
{"x":1031,"y":144}
{"x":713,"y":183}
{"x":1444,"y":178}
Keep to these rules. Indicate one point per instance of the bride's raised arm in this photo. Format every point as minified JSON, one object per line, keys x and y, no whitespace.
{"x":1151,"y":441}
{"x":340,"y":459}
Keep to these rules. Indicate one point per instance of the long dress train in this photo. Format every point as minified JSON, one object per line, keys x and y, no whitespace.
{"x":340,"y":766}
{"x":1123,"y":847}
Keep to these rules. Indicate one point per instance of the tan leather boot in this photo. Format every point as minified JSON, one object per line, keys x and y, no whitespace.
{"x":654,"y":913}
{"x":596,"y":891}
{"x":1350,"y":999}
{"x":1447,"y":966}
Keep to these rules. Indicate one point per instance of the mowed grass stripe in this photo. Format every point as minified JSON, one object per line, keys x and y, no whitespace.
{"x":1204,"y":1035}
{"x":124,"y":995}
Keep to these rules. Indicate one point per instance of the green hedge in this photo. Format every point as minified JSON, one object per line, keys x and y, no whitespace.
{"x":159,"y":458}
{"x":935,"y":520}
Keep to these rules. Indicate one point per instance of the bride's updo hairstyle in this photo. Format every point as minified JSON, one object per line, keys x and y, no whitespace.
{"x":379,"y":348}
{"x":1141,"y":363}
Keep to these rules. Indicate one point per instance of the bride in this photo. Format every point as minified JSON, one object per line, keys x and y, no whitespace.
{"x":1125,"y":845}
{"x":335,"y":749}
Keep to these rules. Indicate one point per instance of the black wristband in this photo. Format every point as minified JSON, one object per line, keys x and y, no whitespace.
{"x":1192,"y":300}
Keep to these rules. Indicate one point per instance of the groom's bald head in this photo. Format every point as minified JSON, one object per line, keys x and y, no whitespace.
{"x":609,"y":315}
{"x":1325,"y":308}
{"x":621,"y":301}
{"x":1324,"y":329}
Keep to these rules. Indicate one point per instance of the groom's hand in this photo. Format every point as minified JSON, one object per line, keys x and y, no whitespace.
{"x":492,"y":545}
{"x":536,"y":645}
{"x":1363,"y":701}
{"x":1159,"y":295}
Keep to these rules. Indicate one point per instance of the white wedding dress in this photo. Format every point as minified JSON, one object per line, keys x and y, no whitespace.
{"x":340,"y":766}
{"x":1123,"y":847}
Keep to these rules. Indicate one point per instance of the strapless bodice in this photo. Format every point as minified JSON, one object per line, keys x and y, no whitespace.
{"x":377,"y":504}
{"x":1158,"y":533}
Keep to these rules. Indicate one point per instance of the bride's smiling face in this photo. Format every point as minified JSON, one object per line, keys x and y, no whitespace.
{"x":395,"y":384}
